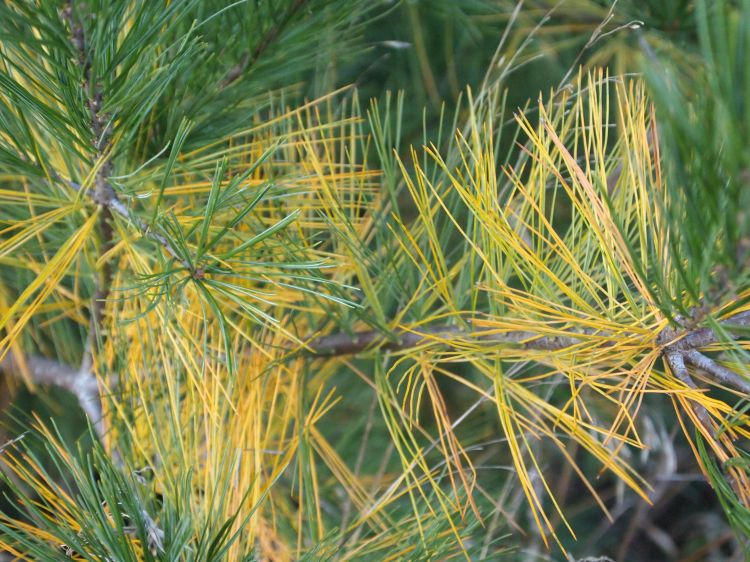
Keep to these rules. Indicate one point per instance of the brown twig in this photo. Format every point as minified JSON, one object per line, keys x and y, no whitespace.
{"x":343,"y":343}
{"x":679,"y":349}
{"x":358,"y":342}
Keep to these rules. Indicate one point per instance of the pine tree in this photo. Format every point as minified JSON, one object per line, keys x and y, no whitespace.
{"x":299,"y":329}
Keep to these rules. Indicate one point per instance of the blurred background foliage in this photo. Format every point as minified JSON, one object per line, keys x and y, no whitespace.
{"x":416,"y":60}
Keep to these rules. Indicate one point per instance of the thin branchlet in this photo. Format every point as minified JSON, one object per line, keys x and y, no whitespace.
{"x":117,"y":207}
{"x":272,"y":34}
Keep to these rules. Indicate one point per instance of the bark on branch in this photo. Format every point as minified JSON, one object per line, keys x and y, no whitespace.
{"x":46,"y":372}
{"x":679,"y":348}
{"x":82,"y":382}
{"x":343,"y":343}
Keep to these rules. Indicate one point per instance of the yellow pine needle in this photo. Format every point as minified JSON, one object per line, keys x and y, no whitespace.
{"x":45,"y":283}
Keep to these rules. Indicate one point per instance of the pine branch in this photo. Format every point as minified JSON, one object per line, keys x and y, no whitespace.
{"x":679,"y":348}
{"x":716,"y":372}
{"x":47,"y":372}
{"x":103,"y":191}
{"x":82,"y":382}
{"x":342,"y":343}
{"x":358,"y":342}
{"x":114,"y":204}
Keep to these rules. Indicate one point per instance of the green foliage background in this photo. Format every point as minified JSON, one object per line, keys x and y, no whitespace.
{"x":414,"y":65}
